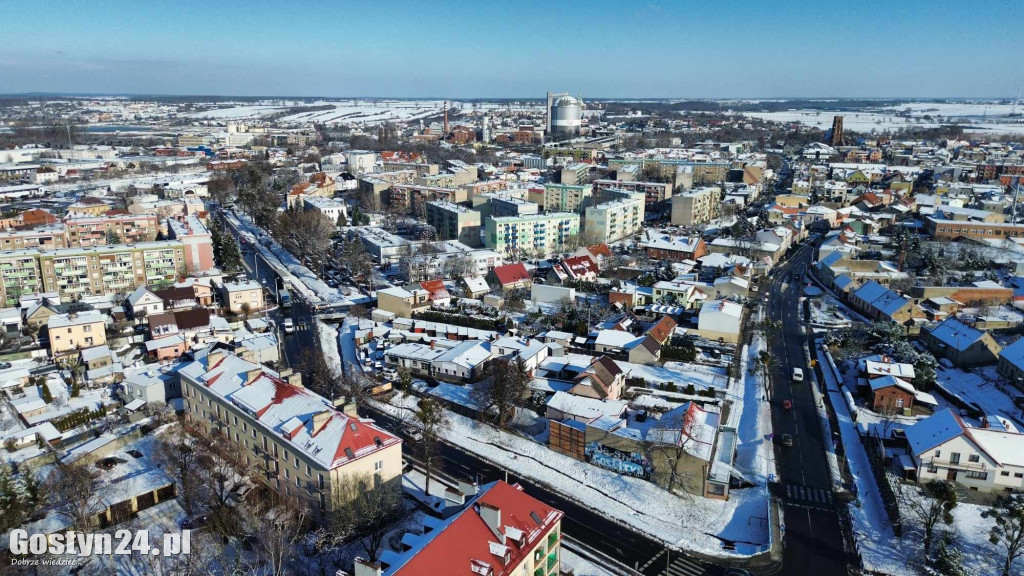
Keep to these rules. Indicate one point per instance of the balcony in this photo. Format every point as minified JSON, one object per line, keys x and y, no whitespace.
{"x":961,"y":465}
{"x":552,"y":560}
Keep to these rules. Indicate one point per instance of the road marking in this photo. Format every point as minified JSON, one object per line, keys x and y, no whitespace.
{"x":683,"y":566}
{"x":653,"y":558}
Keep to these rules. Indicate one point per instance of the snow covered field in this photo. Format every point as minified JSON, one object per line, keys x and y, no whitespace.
{"x":977,"y":118}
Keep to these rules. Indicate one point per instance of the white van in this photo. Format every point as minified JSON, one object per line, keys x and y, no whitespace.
{"x":798,"y":375}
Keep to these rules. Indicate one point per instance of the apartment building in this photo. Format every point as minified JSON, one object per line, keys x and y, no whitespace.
{"x":93,"y":230}
{"x":76,"y":272}
{"x":535,"y":234}
{"x":70,"y":333}
{"x":615,"y":220}
{"x":295,"y":441}
{"x":196,"y":240}
{"x":511,"y":206}
{"x":654,"y":192}
{"x":413,"y":198}
{"x":944,"y":228}
{"x":500,"y":531}
{"x":561,"y":197}
{"x":696,"y":206}
{"x":19,"y":274}
{"x":454,"y":222}
{"x":44,"y":238}
{"x":331,"y":208}
{"x":575,"y":174}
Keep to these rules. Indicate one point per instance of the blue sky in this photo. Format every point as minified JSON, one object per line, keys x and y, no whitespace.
{"x":495,"y":48}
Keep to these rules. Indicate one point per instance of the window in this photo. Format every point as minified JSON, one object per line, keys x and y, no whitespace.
{"x":954,"y":457}
{"x":1004,"y":473}
{"x":933,"y":470}
{"x":309,"y":471}
{"x":973,"y":458}
{"x":1018,"y":475}
{"x":378,"y":465}
{"x":938,"y":453}
{"x":977,"y":475}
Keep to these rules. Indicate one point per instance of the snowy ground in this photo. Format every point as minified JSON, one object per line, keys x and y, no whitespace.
{"x":982,"y":387}
{"x":751,"y":416}
{"x":973,"y":120}
{"x":681,"y":374}
{"x":881,"y":550}
{"x":689,"y":523}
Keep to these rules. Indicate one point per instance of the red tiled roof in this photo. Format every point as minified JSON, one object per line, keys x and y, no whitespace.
{"x":662,"y":331}
{"x":511,"y":273}
{"x":465,"y":542}
{"x":436,"y":289}
{"x":600,"y":250}
{"x":579,"y":266}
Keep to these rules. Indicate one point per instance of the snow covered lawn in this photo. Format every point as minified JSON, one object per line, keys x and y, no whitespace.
{"x":688,"y":523}
{"x":981,"y":387}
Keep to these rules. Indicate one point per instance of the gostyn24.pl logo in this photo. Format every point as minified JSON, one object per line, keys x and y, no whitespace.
{"x":122,"y":543}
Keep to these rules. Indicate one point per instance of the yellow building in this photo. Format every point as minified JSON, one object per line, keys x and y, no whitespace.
{"x":294,"y":440}
{"x":70,"y":333}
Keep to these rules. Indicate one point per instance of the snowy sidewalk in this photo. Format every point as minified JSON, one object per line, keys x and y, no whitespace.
{"x":751,"y":417}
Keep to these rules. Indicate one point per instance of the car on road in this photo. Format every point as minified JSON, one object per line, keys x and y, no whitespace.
{"x":786,"y":440}
{"x":798,"y":375}
{"x":406,"y":466}
{"x":289,"y":326}
{"x":5,"y":365}
{"x":787,"y":404}
{"x":412,"y":433}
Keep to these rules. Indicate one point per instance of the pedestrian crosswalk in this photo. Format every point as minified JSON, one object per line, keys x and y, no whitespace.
{"x":683,"y":566}
{"x":808,"y":496}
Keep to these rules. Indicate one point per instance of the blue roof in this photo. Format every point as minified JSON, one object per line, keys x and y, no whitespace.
{"x":933,"y":431}
{"x":1014,"y":353}
{"x":842,"y":281}
{"x":956,"y":334}
{"x":881,"y":298}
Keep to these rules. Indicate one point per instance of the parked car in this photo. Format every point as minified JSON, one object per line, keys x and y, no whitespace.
{"x":412,"y":433}
{"x":798,"y":375}
{"x":786,"y":440}
{"x":5,"y":365}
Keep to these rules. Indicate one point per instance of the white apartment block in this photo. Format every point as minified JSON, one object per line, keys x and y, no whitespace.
{"x":615,"y":220}
{"x":535,"y":235}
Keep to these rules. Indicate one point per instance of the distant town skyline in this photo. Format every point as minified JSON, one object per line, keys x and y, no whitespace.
{"x":741,"y":49}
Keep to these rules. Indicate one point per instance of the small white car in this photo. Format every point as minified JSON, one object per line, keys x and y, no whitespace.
{"x":798,"y":375}
{"x":289,"y":326}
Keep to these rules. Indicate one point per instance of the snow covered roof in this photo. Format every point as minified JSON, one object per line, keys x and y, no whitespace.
{"x":955,"y":334}
{"x":890,"y":380}
{"x":476,"y":284}
{"x":1014,"y":353}
{"x":292,"y":413}
{"x":468,"y":354}
{"x":614,"y":338}
{"x":585,"y":408}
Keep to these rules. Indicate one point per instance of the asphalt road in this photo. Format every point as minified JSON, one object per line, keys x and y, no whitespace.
{"x":814,"y":543}
{"x":582,"y":524}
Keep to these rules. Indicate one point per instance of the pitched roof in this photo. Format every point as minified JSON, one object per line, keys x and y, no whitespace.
{"x":436,"y":289}
{"x":955,"y":334}
{"x":579,"y":266}
{"x":466,"y":546}
{"x":934,"y":430}
{"x":194,"y":318}
{"x":663,"y":329}
{"x":511,"y":273}
{"x":1014,"y":353}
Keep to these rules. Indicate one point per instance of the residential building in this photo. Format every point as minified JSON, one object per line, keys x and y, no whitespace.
{"x":880,"y":303}
{"x":49,"y":237}
{"x":989,"y":458}
{"x":671,"y":247}
{"x":196,"y":241}
{"x":510,"y":276}
{"x":561,"y":197}
{"x":1011,"y":363}
{"x":654,"y":192}
{"x":142,"y":302}
{"x":501,"y":531}
{"x":19,"y":275}
{"x":510,"y":206}
{"x":963,"y":345}
{"x":539,"y":234}
{"x":331,"y":208}
{"x":243,"y":297}
{"x":720,"y":320}
{"x":294,"y":440}
{"x":615,"y":220}
{"x":454,"y":222}
{"x":96,"y":270}
{"x":94,"y":230}
{"x":696,"y":206}
{"x":403,"y":302}
{"x":68,"y":334}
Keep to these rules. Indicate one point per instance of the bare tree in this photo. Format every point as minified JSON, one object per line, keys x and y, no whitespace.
{"x":366,"y":505}
{"x":320,"y":376}
{"x":74,"y":492}
{"x":1008,"y":532}
{"x":275,"y":524}
{"x":667,"y":449}
{"x":180,"y":455}
{"x":930,"y":504}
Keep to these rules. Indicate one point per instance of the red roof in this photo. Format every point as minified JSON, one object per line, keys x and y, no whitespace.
{"x":465,"y":541}
{"x":579,"y":266}
{"x":600,"y":250}
{"x":436,"y":289}
{"x":511,"y":273}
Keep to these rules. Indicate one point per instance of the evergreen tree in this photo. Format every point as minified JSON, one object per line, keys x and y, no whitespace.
{"x":342,"y":221}
{"x":230,"y":256}
{"x":948,"y":560}
{"x":45,"y":393}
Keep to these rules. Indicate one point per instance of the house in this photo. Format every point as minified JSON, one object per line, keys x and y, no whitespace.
{"x":644,"y":350}
{"x":465,"y":361}
{"x":603,"y":380}
{"x":989,"y":458}
{"x":662,"y":330}
{"x":168,"y":347}
{"x":720,"y":320}
{"x":177,"y":298}
{"x":142,"y":302}
{"x":439,"y":295}
{"x":151,"y":387}
{"x":963,"y":345}
{"x":509,"y":276}
{"x":575,"y":268}
{"x":501,"y":531}
{"x":892,"y":395}
{"x":531,"y":352}
{"x":243,"y":297}
{"x":1011,"y":363}
{"x":880,"y":303}
{"x":566,"y":406}
{"x":663,"y":246}
{"x":402,"y":302}
{"x":70,"y":333}
{"x":476,"y":286}
{"x":613,"y":341}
